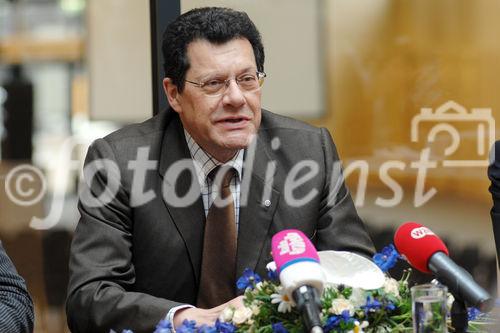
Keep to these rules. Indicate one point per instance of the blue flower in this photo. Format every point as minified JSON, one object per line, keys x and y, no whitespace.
{"x":188,"y":326}
{"x":127,"y":331}
{"x":163,"y":326}
{"x":346,"y":316}
{"x":371,"y":305}
{"x":334,"y":321}
{"x":331,"y":323}
{"x":206,"y":329}
{"x":390,"y":306}
{"x":248,"y":280}
{"x":279,"y":328}
{"x":224,"y":327}
{"x":185,"y":329}
{"x":386,"y":259}
{"x":272,"y":275}
{"x":473,"y":313}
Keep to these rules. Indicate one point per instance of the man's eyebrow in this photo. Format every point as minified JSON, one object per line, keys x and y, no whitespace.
{"x":248,"y":69}
{"x":218,"y":73}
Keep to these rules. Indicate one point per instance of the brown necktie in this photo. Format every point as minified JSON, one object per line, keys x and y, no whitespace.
{"x":218,"y":266}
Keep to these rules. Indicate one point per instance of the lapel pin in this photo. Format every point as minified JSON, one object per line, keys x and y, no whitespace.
{"x":267,"y":203}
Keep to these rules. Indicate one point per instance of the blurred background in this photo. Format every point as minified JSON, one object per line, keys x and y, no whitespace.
{"x":381,"y":75}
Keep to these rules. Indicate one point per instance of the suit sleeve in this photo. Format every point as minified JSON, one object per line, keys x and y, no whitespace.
{"x":16,"y":306}
{"x":100,"y":295}
{"x":339,"y":226}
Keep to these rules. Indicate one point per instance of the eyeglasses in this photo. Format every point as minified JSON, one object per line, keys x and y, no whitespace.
{"x":246,"y":82}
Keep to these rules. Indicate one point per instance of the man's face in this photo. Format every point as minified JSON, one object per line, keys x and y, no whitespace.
{"x":223,"y":124}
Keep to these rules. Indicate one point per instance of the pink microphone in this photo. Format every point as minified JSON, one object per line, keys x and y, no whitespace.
{"x":290,"y":246}
{"x":300,"y":273}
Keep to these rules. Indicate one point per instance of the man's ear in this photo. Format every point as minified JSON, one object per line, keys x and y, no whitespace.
{"x":172,"y":94}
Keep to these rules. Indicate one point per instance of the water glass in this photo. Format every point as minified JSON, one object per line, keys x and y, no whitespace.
{"x":429,"y":308}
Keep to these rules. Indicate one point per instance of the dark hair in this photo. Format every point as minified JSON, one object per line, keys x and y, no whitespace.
{"x":214,"y":24}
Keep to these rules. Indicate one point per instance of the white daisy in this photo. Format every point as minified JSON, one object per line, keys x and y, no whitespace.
{"x":285,"y":304}
{"x":358,"y":328}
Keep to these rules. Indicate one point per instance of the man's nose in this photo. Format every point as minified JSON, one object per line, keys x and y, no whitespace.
{"x":233,"y":95}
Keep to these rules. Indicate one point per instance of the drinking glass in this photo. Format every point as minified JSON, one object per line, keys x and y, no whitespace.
{"x":429,"y":308}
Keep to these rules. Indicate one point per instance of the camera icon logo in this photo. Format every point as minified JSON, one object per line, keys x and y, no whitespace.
{"x":472,"y":131}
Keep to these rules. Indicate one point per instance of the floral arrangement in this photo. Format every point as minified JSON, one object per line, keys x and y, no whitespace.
{"x":344,"y":309}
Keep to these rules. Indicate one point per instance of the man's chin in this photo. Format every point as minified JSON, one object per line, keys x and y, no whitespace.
{"x":238,"y":141}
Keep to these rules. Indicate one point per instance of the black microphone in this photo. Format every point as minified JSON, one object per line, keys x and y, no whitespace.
{"x":308,"y":303}
{"x":460,"y":282}
{"x":426,"y":252}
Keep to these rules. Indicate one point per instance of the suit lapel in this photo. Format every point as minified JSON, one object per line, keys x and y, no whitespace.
{"x":189,"y":220}
{"x":257,"y":213}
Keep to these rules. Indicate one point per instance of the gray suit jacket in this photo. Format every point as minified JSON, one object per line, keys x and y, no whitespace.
{"x":16,"y":307}
{"x":130,"y":265}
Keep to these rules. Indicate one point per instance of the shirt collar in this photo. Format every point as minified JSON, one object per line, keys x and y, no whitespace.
{"x":204,"y":162}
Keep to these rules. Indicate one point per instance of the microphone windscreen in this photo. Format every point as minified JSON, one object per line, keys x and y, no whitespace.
{"x":418,"y":243}
{"x":292,"y":246}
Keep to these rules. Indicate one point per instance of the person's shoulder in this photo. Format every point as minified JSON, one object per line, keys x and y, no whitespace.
{"x":496,"y":150}
{"x":124,"y":143}
{"x":3,"y":257}
{"x":494,"y":167}
{"x":292,"y":140}
{"x":292,"y":133}
{"x":141,"y":132}
{"x":272,"y":121}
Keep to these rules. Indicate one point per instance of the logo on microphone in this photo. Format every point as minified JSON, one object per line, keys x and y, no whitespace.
{"x":292,"y":244}
{"x":421,"y":232}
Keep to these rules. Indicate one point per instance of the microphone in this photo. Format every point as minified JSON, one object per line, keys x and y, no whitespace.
{"x":302,"y":277}
{"x":427,"y":253}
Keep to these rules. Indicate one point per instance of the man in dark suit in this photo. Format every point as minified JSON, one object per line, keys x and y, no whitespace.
{"x":16,"y":307}
{"x":140,"y":250}
{"x":494,"y":175}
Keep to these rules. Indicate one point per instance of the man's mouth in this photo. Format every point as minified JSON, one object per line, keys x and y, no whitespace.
{"x":234,"y":120}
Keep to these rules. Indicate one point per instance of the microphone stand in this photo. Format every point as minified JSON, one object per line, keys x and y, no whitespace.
{"x":459,"y":316}
{"x":309,"y":305}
